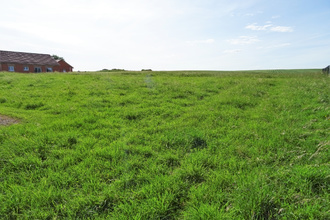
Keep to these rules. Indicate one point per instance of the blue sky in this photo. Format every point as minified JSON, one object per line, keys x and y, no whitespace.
{"x":171,"y":34}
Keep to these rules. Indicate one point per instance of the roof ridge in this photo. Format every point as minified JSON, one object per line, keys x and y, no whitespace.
{"x":23,"y":52}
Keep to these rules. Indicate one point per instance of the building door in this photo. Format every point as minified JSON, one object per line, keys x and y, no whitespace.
{"x":37,"y":69}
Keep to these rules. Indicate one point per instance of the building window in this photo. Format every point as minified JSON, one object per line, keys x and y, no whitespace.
{"x":37,"y":70}
{"x":11,"y":68}
{"x":49,"y":69}
{"x":26,"y":68}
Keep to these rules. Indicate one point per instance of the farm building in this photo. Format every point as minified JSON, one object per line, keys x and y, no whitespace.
{"x":29,"y":62}
{"x":326,"y":70}
{"x":64,"y":66}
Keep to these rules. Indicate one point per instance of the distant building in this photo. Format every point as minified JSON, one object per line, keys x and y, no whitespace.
{"x":63,"y":66}
{"x":326,"y":70}
{"x":26,"y":62}
{"x":31,"y":63}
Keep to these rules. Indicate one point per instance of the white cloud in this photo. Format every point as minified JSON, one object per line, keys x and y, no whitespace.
{"x":269,"y":27}
{"x":244,"y":40}
{"x":281,"y":29}
{"x":258,"y":28}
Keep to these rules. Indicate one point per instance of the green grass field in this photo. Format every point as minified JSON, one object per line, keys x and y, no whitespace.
{"x":165,"y":145}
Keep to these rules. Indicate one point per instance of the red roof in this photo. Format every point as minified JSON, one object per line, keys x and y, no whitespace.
{"x":59,"y":60}
{"x":27,"y":58}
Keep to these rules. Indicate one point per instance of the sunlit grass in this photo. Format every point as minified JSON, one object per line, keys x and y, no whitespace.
{"x":165,"y":145}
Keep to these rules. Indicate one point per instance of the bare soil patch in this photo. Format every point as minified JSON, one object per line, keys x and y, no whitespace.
{"x":6,"y":120}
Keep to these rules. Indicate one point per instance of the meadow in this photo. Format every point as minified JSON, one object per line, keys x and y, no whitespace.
{"x":165,"y":145}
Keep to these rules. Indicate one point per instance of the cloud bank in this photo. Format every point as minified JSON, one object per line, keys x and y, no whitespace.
{"x":269,"y":27}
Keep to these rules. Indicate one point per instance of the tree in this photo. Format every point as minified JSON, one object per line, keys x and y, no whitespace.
{"x":57,"y":57}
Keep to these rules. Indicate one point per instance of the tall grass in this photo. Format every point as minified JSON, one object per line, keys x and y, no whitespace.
{"x":165,"y":145}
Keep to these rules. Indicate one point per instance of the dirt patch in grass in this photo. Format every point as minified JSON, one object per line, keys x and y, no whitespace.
{"x":5,"y":120}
